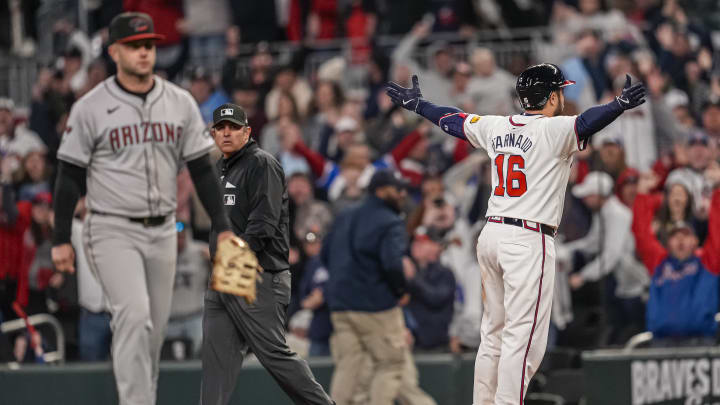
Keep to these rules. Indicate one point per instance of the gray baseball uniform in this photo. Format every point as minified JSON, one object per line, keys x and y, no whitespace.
{"x":132,"y":150}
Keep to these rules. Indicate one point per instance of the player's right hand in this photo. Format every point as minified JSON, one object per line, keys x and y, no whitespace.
{"x":63,"y":257}
{"x":631,"y":96}
{"x":407,"y":98}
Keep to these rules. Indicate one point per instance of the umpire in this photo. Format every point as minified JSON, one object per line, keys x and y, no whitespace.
{"x":256,"y":201}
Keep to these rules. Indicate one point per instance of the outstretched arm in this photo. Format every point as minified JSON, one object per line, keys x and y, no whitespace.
{"x":596,"y":118}
{"x":449,"y":119}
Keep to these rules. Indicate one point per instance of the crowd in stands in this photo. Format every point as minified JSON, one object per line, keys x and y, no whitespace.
{"x":639,"y":243}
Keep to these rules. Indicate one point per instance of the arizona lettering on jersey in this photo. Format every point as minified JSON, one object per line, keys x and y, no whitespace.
{"x":143,"y":132}
{"x":531,"y":156}
{"x":133,"y":149}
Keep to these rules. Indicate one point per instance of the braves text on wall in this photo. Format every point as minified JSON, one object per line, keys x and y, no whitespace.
{"x":691,"y":381}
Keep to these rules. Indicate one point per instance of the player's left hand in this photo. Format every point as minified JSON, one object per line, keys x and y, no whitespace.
{"x":631,"y":96}
{"x":407,"y":98}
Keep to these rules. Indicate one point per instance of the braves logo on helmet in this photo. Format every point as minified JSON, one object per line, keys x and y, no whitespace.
{"x":535,"y":84}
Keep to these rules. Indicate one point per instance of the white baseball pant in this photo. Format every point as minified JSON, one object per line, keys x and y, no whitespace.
{"x":518,"y":274}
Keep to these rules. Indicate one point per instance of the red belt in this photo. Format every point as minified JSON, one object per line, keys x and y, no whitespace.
{"x":531,"y":225}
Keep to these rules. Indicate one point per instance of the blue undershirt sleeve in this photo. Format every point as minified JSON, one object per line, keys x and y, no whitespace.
{"x":452,"y":118}
{"x":596,"y":118}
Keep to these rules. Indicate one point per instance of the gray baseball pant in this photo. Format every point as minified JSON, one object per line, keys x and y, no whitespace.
{"x":231,"y":327}
{"x":135,"y":266}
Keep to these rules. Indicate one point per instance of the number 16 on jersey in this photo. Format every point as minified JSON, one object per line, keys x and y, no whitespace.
{"x":512,"y":181}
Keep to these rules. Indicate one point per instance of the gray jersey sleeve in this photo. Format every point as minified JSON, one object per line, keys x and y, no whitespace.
{"x":197,"y":140}
{"x":77,"y":143}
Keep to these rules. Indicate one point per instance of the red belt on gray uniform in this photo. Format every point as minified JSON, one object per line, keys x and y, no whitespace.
{"x":531,"y":225}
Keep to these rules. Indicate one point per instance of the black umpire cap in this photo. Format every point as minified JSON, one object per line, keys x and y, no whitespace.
{"x":230,"y":112}
{"x":132,"y":26}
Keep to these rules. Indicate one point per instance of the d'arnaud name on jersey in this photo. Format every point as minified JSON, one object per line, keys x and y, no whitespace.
{"x":144,"y":132}
{"x":511,"y":141}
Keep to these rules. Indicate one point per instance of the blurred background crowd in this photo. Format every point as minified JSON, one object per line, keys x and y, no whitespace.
{"x":310,"y":75}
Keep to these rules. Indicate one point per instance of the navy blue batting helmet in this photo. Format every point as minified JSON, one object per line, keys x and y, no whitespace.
{"x":535,"y":84}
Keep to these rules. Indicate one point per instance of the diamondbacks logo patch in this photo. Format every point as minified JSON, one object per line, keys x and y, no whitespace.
{"x":226,"y":112}
{"x":139,"y":24}
{"x":229,"y":199}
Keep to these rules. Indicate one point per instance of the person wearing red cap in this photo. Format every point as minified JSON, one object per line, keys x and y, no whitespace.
{"x":124,"y":143}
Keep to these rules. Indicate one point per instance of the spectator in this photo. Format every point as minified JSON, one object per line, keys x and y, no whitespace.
{"x":699,"y":158}
{"x":324,"y":112}
{"x":49,"y":108}
{"x":206,"y":22}
{"x":364,"y":256}
{"x":626,"y":186}
{"x":191,"y":279}
{"x":41,"y":272}
{"x":676,"y":206}
{"x":286,"y":112}
{"x":312,"y":295}
{"x":247,"y":96}
{"x":684,"y":282}
{"x":492,"y":88}
{"x":94,"y":333}
{"x":15,"y":220}
{"x":610,"y":241}
{"x":15,"y":139}
{"x":611,"y":153}
{"x":461,"y":76}
{"x":36,"y":175}
{"x":587,"y":70}
{"x":205,"y":93}
{"x":432,"y":290}
{"x":711,"y":120}
{"x":287,"y":81}
{"x":435,"y":79}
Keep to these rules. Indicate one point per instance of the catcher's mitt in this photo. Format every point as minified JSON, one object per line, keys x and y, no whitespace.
{"x":235,"y":269}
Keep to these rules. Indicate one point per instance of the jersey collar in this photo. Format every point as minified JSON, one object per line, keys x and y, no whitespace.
{"x":519,"y":120}
{"x":128,"y":98}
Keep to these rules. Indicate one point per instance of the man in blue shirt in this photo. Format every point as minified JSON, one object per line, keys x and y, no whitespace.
{"x":365,"y":256}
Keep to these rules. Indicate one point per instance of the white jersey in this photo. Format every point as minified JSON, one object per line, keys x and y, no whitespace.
{"x":133,"y":149}
{"x":531,"y":157}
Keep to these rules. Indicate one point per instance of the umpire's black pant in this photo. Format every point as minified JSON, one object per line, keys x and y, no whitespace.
{"x":231,"y":327}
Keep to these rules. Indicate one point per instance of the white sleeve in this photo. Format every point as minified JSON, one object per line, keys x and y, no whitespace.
{"x":77,"y":142}
{"x":562,"y":136}
{"x":196,"y":140}
{"x":477,"y":129}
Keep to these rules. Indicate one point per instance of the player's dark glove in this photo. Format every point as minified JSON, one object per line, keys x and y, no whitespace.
{"x":632,"y":96}
{"x":407,"y":98}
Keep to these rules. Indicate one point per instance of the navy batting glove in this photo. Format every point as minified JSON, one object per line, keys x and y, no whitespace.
{"x":632,"y":96}
{"x":408,"y":99}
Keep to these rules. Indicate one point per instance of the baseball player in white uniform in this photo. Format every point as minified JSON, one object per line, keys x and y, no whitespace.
{"x":531,"y":154}
{"x":124,"y":143}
